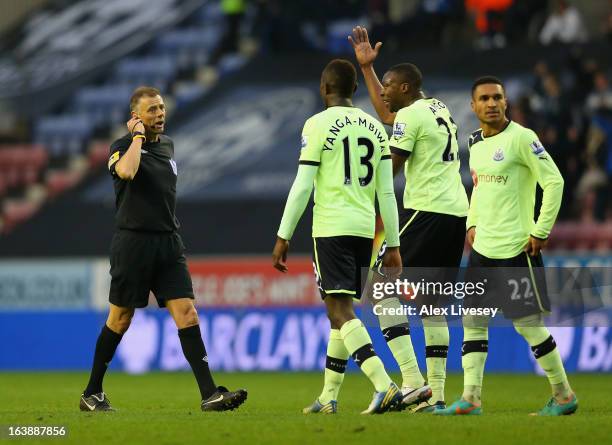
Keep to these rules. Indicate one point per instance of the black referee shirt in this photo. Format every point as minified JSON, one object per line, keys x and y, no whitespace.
{"x":148,"y":202}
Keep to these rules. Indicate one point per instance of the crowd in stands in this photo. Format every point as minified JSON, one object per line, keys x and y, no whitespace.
{"x":570,"y":106}
{"x":404,"y":24}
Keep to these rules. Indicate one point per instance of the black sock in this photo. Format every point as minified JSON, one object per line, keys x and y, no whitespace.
{"x":195,"y":353}
{"x":105,"y":350}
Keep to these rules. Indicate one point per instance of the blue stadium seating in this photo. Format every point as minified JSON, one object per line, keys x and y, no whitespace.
{"x":64,"y":134}
{"x":148,"y":70}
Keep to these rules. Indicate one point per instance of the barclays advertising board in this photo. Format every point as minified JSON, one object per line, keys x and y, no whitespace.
{"x":258,"y":339}
{"x":44,"y":303}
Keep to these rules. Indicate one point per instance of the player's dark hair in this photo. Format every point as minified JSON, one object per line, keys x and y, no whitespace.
{"x":140,"y":92}
{"x":410,"y":74}
{"x":487,"y":80}
{"x":341,"y":77}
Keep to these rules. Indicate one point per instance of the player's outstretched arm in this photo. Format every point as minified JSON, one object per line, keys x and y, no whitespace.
{"x":366,"y":55}
{"x":294,"y":208}
{"x":127,"y":166}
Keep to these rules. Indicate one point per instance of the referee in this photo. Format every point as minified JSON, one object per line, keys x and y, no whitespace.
{"x":147,"y":253}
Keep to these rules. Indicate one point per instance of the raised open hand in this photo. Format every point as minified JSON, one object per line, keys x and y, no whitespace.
{"x":364,"y":52}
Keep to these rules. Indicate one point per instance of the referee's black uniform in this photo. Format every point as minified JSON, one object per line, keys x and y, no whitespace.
{"x":147,"y":253}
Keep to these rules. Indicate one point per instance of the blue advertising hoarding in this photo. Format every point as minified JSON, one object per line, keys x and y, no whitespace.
{"x":256,"y":339}
{"x":51,"y":313}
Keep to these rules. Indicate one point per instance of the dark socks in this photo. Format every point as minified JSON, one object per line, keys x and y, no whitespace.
{"x":195,"y":353}
{"x":105,"y":350}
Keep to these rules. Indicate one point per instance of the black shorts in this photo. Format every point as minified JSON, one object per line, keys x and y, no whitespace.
{"x":338,"y":263}
{"x":516,"y":286}
{"x":143,"y":262}
{"x":429,"y":239}
{"x":431,"y":245}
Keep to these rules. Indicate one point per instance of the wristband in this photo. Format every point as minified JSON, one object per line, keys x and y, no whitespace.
{"x":142,"y":136}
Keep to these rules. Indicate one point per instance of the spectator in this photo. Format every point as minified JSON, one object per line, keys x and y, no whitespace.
{"x":488,"y":16}
{"x":436,"y":16}
{"x":524,"y":19}
{"x":608,"y":23}
{"x":583,"y":73}
{"x":599,"y":152}
{"x":233,"y":11}
{"x":601,"y":97}
{"x":564,"y":25}
{"x":400,"y":26}
{"x":552,"y":103}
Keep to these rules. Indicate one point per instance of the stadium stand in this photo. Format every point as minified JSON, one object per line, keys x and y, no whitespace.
{"x":239,"y":79}
{"x":170,"y":62}
{"x":69,"y":143}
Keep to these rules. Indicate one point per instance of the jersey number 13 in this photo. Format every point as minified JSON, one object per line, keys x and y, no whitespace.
{"x":364,"y":160}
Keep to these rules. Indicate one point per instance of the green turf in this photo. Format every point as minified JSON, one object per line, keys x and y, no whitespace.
{"x":163,"y":408}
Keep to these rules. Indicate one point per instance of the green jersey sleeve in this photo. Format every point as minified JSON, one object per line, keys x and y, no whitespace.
{"x":548,"y":177}
{"x":297,"y":200}
{"x":311,"y":143}
{"x":386,"y":200}
{"x":406,"y":131}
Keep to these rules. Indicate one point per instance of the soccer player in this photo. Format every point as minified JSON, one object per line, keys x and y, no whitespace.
{"x":147,"y":253}
{"x":345,"y":154}
{"x":432,"y":221}
{"x":507,"y":161}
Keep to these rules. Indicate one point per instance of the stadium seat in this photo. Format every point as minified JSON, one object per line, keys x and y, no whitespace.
{"x":189,"y":39}
{"x":336,"y":36}
{"x":582,"y":236}
{"x":58,"y":181}
{"x":190,"y":47}
{"x":101,"y":96}
{"x":210,"y":13}
{"x":187,"y":92}
{"x":65,"y":133}
{"x":147,"y":70}
{"x":230,"y":63}
{"x":104,"y":104}
{"x":17,"y":211}
{"x":98,"y":153}
{"x":20,"y":165}
{"x":607,"y":235}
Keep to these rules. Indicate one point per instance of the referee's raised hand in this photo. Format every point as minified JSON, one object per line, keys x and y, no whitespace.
{"x":135,"y":125}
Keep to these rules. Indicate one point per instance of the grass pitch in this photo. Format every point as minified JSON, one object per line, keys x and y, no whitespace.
{"x":163,"y":408}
